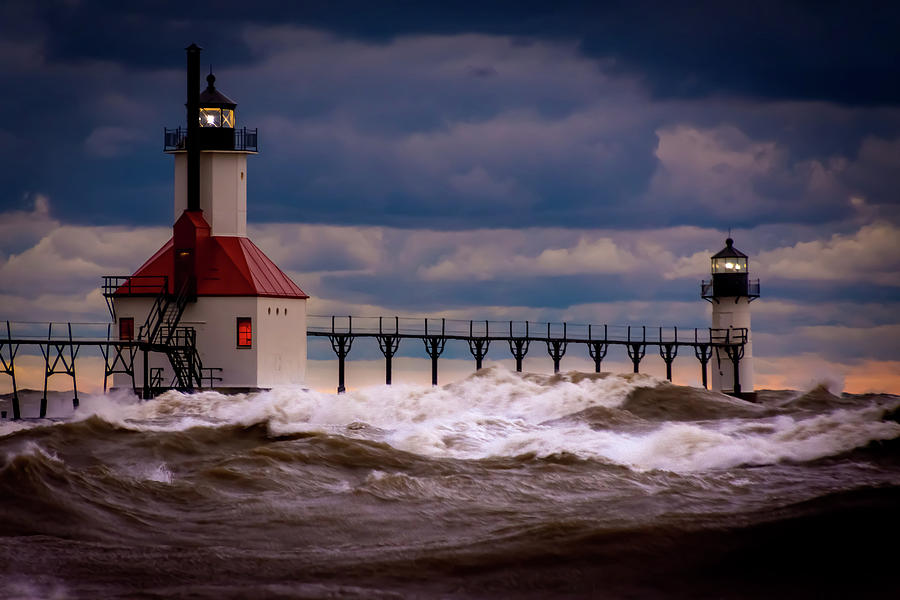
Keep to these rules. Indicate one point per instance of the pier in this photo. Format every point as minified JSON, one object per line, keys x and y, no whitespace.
{"x":520,"y":336}
{"x":60,"y":345}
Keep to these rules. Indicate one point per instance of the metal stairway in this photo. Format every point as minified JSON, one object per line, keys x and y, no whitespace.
{"x":178,"y":343}
{"x":161,"y":333}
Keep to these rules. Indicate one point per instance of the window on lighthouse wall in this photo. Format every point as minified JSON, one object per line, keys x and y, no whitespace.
{"x":126,"y":328}
{"x":244,"y":333}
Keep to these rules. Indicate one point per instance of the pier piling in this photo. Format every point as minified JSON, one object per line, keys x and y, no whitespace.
{"x":388,"y":343}
{"x":434,"y":346}
{"x":703,"y":352}
{"x":478,"y":346}
{"x":636,"y":350}
{"x":597,"y":349}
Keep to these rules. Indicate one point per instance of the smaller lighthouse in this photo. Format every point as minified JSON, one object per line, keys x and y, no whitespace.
{"x":730,"y":292}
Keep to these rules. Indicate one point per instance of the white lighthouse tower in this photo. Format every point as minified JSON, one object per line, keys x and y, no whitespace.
{"x":730,"y":291}
{"x":210,"y":308}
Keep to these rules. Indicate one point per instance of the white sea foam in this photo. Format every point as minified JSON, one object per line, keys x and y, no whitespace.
{"x":497,"y":413}
{"x":31,"y":448}
{"x":160,"y":473}
{"x":688,"y":447}
{"x":47,"y":588}
{"x":8,"y":427}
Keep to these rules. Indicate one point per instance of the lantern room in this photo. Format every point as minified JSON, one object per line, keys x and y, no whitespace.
{"x":216,"y":118}
{"x":730,"y":269}
{"x":216,"y":109}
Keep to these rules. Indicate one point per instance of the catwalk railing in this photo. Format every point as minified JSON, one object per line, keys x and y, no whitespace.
{"x":341,"y":331}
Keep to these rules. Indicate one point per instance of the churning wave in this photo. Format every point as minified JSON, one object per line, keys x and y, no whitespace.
{"x":633,"y":420}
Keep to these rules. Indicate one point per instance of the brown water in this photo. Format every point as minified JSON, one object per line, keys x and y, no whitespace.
{"x":499,"y":486}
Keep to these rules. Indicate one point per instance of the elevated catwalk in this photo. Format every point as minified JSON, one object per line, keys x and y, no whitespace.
{"x":61,"y":343}
{"x":519,"y":335}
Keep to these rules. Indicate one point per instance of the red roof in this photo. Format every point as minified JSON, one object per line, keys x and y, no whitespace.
{"x":227,"y":266}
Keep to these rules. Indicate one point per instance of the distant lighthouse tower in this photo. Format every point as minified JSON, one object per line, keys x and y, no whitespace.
{"x":730,"y":291}
{"x":210,"y":309}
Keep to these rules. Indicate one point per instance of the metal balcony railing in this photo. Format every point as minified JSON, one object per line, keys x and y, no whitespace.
{"x":245,"y":139}
{"x":134,"y":285}
{"x":707,"y":290}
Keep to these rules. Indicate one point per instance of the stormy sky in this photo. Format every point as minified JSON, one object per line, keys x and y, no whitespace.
{"x":503,"y":160}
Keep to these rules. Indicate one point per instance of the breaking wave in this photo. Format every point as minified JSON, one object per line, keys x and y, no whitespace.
{"x":632,"y":420}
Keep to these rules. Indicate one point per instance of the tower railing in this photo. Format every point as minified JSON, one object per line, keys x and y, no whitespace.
{"x":707,"y":290}
{"x":245,"y":139}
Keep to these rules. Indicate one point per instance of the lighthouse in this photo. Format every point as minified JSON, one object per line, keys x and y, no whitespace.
{"x":210,"y":309}
{"x":730,"y":292}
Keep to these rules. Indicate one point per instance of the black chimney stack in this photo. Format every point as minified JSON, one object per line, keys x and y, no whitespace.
{"x":193,"y":125}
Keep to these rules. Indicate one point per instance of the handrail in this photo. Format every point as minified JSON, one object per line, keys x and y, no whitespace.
{"x":245,"y":139}
{"x":422,"y":327}
{"x":134,"y":285}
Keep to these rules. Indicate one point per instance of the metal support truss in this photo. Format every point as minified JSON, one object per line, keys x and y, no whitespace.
{"x":597,"y":348}
{"x":341,"y":345}
{"x":518,"y":346}
{"x":388,"y":343}
{"x":478,"y":346}
{"x":8,"y":350}
{"x":58,"y":361}
{"x":703,"y":352}
{"x":668,"y":351}
{"x":434,"y":346}
{"x":736,"y":353}
{"x":556,"y":347}
{"x":636,"y":349}
{"x":117,"y":358}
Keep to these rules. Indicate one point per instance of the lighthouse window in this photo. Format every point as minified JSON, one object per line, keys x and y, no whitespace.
{"x":244,"y":333}
{"x":729,"y":265}
{"x":216,"y":117}
{"x":126,"y":328}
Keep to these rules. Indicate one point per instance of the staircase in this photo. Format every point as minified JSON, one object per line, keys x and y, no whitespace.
{"x":181,"y":349}
{"x":161,"y":333}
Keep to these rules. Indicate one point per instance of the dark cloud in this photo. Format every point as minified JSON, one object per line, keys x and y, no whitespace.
{"x":797,"y":50}
{"x":454,"y":116}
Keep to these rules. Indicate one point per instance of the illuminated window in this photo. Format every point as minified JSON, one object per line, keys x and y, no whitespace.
{"x":244,"y":333}
{"x":216,"y":117}
{"x":126,"y":328}
{"x":729,"y":265}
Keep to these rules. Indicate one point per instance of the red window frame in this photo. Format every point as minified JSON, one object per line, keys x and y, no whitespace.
{"x":126,"y":328}
{"x":244,"y":330}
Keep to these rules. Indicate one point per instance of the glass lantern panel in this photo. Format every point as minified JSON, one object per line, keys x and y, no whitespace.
{"x":729,"y":265}
{"x":210,"y":117}
{"x":227,"y":118}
